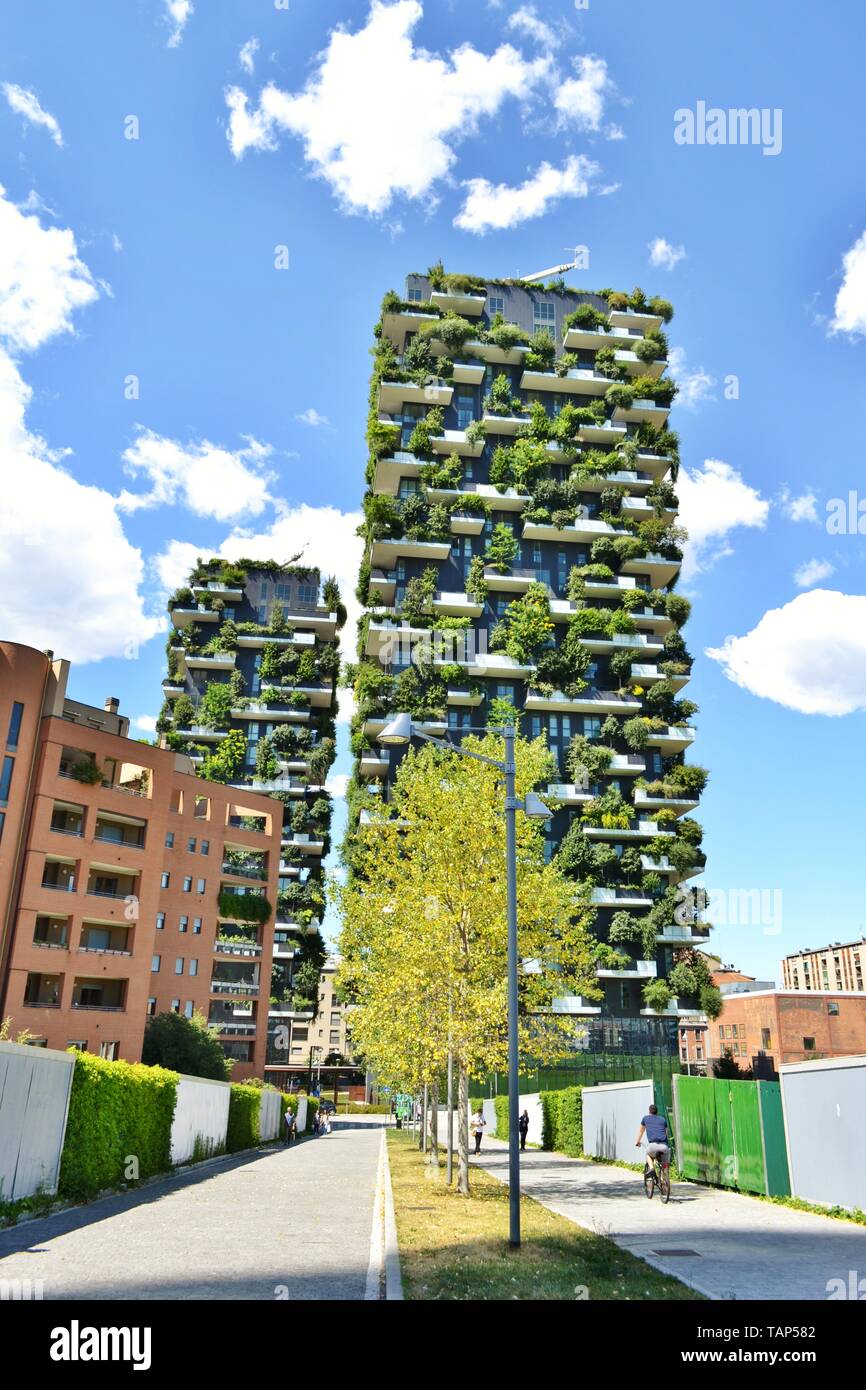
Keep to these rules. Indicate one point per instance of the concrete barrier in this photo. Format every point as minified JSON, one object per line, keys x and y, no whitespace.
{"x":301,"y":1117}
{"x":201,"y":1118}
{"x":823,"y":1104}
{"x":611,"y":1118}
{"x":35,"y":1083}
{"x":269,"y":1115}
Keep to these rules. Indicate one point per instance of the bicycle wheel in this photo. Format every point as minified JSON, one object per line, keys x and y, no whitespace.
{"x":649,"y":1181}
{"x":665,"y":1184}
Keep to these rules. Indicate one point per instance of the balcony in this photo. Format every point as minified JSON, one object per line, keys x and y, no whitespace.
{"x":657,"y":569}
{"x":67,"y":819}
{"x":503,"y":424}
{"x":641,"y":970}
{"x":637,"y":319}
{"x":393,"y":394}
{"x":171,"y":690}
{"x":492,"y":664}
{"x":598,"y":337}
{"x":457,"y":442}
{"x":511,"y":581}
{"x":221,"y":661}
{"x":99,"y":995}
{"x":125,"y":831}
{"x":258,"y":640}
{"x":228,"y":593}
{"x":42,"y":991}
{"x":619,"y":897}
{"x":587,"y":702}
{"x":59,"y":875}
{"x":567,"y":794}
{"x":306,"y":843}
{"x":463,"y":695}
{"x":507,"y":500}
{"x":575,"y":1005}
{"x":185,"y":617}
{"x":467,"y":523}
{"x":107,"y":881}
{"x":489,"y":352}
{"x":582,"y":529}
{"x":237,"y":945}
{"x":643,"y":830}
{"x":642,"y":412}
{"x":106,"y":940}
{"x":250,"y":868}
{"x":385,"y":553}
{"x":467,"y":305}
{"x":246,"y":987}
{"x":457,"y":605}
{"x":629,"y":641}
{"x":469,"y":373}
{"x":273,"y":713}
{"x":635,"y":366}
{"x":583,"y":380}
{"x":605,"y":432}
{"x":391,"y":471}
{"x":677,"y":804}
{"x":397,"y":323}
{"x":672,"y":739}
{"x":51,"y":932}
{"x":374,"y":765}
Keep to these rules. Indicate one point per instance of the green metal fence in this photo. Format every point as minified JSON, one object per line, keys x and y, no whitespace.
{"x":731,"y":1133}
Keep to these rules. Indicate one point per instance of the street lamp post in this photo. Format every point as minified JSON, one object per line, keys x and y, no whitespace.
{"x":400,"y":731}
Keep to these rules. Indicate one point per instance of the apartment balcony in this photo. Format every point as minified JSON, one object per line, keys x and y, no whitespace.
{"x":574,"y":1005}
{"x":657,"y":569}
{"x":598,"y":337}
{"x":622,"y":641}
{"x":184,"y":617}
{"x":284,"y":951}
{"x":67,"y":818}
{"x":246,"y":869}
{"x":642,"y":412}
{"x":674,"y":1009}
{"x":467,"y":523}
{"x":587,"y":702}
{"x":248,"y":950}
{"x":645,"y":674}
{"x":626,"y":477}
{"x":109,"y":881}
{"x":636,"y":367}
{"x":607,"y":432}
{"x":306,"y":843}
{"x":99,"y":995}
{"x":171,"y":690}
{"x":678,"y":804}
{"x":504,"y":424}
{"x":286,"y":1010}
{"x":457,"y":605}
{"x":369,"y":820}
{"x":51,"y":931}
{"x":468,"y":306}
{"x":391,"y":471}
{"x":672,"y":739}
{"x":640,"y":970}
{"x":497,"y":665}
{"x":576,"y":381}
{"x":643,"y":830}
{"x":489,"y":352}
{"x":264,"y":639}
{"x":656,"y":619}
{"x":227,"y":592}
{"x":641,"y":510}
{"x":385,"y":553}
{"x":457,"y":442}
{"x":374,"y":765}
{"x":384,"y":639}
{"x":630,"y":764}
{"x":294,"y":786}
{"x":58,"y":874}
{"x":469,"y":373}
{"x":629,"y":898}
{"x":127,"y":832}
{"x":198,"y":733}
{"x":247,"y":988}
{"x":394,"y":394}
{"x":106,"y":938}
{"x":397,"y":323}
{"x":222,"y":661}
{"x":582,"y":529}
{"x":511,"y":581}
{"x":273,"y":713}
{"x":656,"y":465}
{"x":232,"y":1028}
{"x":317,"y":620}
{"x":567,"y":794}
{"x":464,"y":695}
{"x":640,"y":320}
{"x":383,"y":584}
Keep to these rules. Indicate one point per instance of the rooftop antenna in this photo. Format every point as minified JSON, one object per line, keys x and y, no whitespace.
{"x":578,"y":262}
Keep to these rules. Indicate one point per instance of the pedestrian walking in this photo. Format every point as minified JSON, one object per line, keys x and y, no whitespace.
{"x":290,"y":1126}
{"x":317,"y":1120}
{"x":523,"y":1128}
{"x":479,"y":1124}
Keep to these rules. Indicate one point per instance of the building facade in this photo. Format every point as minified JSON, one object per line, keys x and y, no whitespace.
{"x":521,"y":561}
{"x":129,"y":886}
{"x":765,"y":1029}
{"x":318,"y":1048}
{"x":835,"y":967}
{"x":250,"y":696}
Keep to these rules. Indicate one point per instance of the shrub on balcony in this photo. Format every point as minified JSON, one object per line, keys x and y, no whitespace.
{"x":606,"y":958}
{"x":526,"y":625}
{"x":648,"y":350}
{"x":445,"y":475}
{"x":452,"y":330}
{"x":500,"y":400}
{"x":504,"y":335}
{"x":115,"y":1109}
{"x":501,"y":711}
{"x":621,"y":663}
{"x":214,"y":711}
{"x":662,"y":307}
{"x":677,"y":608}
{"x":636,"y":733}
{"x":477,"y":587}
{"x":476,"y":432}
{"x":609,"y":811}
{"x":586,"y":761}
{"x":426,"y":430}
{"x":607,"y":365}
{"x":620,"y":396}
{"x":502,"y":547}
{"x":419,"y":596}
{"x":244,"y":907}
{"x":226,"y":761}
{"x":624,"y":927}
{"x":682,"y":980}
{"x":688,"y":778}
{"x":542,"y":352}
{"x":657,"y":995}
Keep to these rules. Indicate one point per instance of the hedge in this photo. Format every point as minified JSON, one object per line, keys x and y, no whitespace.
{"x":500,"y":1106}
{"x":243,"y":1127}
{"x":117,"y":1111}
{"x":562,"y":1125}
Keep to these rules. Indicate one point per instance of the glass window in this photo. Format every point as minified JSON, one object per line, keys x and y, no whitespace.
{"x":190,"y":844}
{"x":14,"y":725}
{"x":833,"y":1008}
{"x":200,"y":885}
{"x":178,"y":965}
{"x":204,"y":847}
{"x":193,"y":967}
{"x":183,"y":924}
{"x":155,"y":963}
{"x":169,"y":840}
{"x":808,"y":1044}
{"x":495,"y":305}
{"x":307,"y":593}
{"x":165,"y":879}
{"x":188,"y":1008}
{"x":151,"y":1007}
{"x":175,"y":1006}
{"x":465,"y":412}
{"x":187,"y":885}
{"x":196,"y":926}
{"x":160,"y":921}
{"x":6,"y":779}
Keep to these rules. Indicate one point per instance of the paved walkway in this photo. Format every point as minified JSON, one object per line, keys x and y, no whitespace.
{"x":740,"y":1248}
{"x":290,"y":1223}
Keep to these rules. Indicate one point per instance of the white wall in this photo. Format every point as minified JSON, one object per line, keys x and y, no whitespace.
{"x":301,"y":1117}
{"x":34,"y":1100}
{"x":611,"y":1118}
{"x":823,"y":1104}
{"x":269,"y":1115}
{"x":202,"y":1111}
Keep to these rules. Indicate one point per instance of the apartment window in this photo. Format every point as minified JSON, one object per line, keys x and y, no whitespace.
{"x":6,"y":779}
{"x":465,"y":412}
{"x":307,"y":593}
{"x":193,"y":966}
{"x":187,"y":884}
{"x":14,"y":725}
{"x":2,"y":823}
{"x":201,"y":885}
{"x":699,"y":1053}
{"x":808,"y":1044}
{"x":204,"y":847}
{"x":160,"y":921}
{"x":79,"y":1044}
{"x":183,"y":924}
{"x":765,"y":1039}
{"x":414,"y":296}
{"x":196,"y":926}
{"x":591,"y":726}
{"x":169,"y":840}
{"x":188,"y":1008}
{"x":190,"y":845}
{"x":175,"y":1006}
{"x":496,"y":305}
{"x":109,"y":1051}
{"x":334,"y":1038}
{"x":833,"y":1008}
{"x":151,"y":1007}
{"x":178,"y":965}
{"x":165,"y":880}
{"x":335,"y":1020}
{"x":544,"y":318}
{"x":155,"y":963}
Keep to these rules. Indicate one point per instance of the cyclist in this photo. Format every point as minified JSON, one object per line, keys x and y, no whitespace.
{"x":655,"y":1126}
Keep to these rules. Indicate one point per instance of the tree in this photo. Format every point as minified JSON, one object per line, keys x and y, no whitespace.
{"x":222,"y":765}
{"x":726,"y":1068}
{"x":423,"y":940}
{"x":186,"y":1045}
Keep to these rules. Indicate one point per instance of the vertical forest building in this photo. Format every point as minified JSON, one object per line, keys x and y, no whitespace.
{"x":521,"y":562}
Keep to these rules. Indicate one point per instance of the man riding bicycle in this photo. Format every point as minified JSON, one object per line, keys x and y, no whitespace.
{"x":655,"y":1126}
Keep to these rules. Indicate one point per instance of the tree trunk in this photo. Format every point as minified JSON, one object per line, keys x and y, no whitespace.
{"x":422,"y":1138}
{"x":463,"y":1132}
{"x":433,"y":1156}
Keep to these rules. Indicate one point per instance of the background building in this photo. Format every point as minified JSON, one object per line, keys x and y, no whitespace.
{"x":250,"y":696}
{"x":129,"y":886}
{"x":835,"y":967}
{"x":521,"y":522}
{"x":319,"y":1045}
{"x":764,"y":1029}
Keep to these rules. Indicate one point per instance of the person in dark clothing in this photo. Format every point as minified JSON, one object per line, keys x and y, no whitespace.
{"x":523,"y":1128}
{"x":655,"y":1126}
{"x":290,"y":1125}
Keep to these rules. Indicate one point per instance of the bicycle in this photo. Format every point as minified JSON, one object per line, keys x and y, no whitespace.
{"x":657,"y":1175}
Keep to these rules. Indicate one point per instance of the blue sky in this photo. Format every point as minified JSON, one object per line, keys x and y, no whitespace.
{"x":368,"y":141}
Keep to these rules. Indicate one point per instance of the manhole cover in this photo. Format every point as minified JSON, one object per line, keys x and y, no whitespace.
{"x":667,"y":1254}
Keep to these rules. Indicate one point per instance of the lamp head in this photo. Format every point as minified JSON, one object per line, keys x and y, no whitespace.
{"x":535,"y":808}
{"x":397,"y":731}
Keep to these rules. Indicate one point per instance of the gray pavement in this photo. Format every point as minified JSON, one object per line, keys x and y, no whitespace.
{"x":740,"y":1247}
{"x":290,"y":1223}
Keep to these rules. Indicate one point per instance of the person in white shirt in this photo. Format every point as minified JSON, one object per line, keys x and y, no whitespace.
{"x":479,"y":1124}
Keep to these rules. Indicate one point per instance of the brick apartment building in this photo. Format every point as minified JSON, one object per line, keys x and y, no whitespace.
{"x":125,"y":880}
{"x":776,"y":1026}
{"x":835,"y":967}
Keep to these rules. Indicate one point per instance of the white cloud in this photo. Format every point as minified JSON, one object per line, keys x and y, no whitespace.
{"x":714,"y":500}
{"x":801,"y":508}
{"x":177,"y":13}
{"x":379,"y":117}
{"x":42,"y":280}
{"x":809,"y":655}
{"x":526,"y":21}
{"x":312,"y":417}
{"x":247,"y":55}
{"x":694,"y":383}
{"x":664,"y":255}
{"x":337,"y":784}
{"x":849,"y":314}
{"x":581,"y":99}
{"x":145,"y":723}
{"x":27,"y":104}
{"x":496,"y":206}
{"x":812,"y":572}
{"x":210,"y":480}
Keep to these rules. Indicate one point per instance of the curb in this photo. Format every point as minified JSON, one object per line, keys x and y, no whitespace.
{"x":393,"y":1278}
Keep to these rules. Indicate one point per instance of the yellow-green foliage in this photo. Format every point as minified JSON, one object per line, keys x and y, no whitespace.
{"x":243,"y":1128}
{"x":562,"y":1127}
{"x":118,"y":1112}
